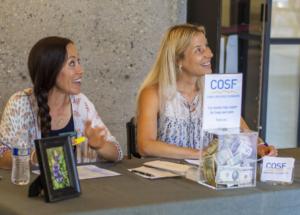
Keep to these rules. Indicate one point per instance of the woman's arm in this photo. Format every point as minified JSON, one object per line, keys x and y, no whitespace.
{"x":262,"y":148}
{"x":98,"y":135}
{"x":109,"y":152}
{"x":6,"y":160}
{"x":10,"y":123}
{"x":148,"y":108}
{"x":98,"y":139}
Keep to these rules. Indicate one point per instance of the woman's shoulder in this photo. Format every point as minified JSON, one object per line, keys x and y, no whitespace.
{"x":21,"y":95}
{"x":150,"y":92}
{"x":19,"y":101}
{"x":149,"y":99}
{"x":81,"y":99}
{"x":80,"y":96}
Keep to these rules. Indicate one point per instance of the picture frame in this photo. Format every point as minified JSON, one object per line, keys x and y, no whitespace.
{"x":57,"y":163}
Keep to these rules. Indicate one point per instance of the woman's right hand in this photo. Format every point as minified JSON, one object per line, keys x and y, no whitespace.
{"x":263,"y":150}
{"x":96,"y":136}
{"x":33,"y":158}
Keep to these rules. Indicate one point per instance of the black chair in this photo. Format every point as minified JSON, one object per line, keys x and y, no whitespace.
{"x":131,"y":139}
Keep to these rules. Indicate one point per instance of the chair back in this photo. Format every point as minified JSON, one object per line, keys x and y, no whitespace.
{"x":131,"y":139}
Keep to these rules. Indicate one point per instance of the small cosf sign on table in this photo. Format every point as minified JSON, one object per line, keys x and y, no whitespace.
{"x":277,"y":169}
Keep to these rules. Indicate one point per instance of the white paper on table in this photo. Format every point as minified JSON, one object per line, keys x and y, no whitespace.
{"x":152,"y":173}
{"x":192,"y":161}
{"x":176,"y":168}
{"x":89,"y":172}
{"x":92,"y":171}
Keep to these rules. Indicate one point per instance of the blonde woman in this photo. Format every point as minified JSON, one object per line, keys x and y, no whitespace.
{"x":169,"y":100}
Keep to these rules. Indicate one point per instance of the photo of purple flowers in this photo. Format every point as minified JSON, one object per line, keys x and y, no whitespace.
{"x":58,"y":168}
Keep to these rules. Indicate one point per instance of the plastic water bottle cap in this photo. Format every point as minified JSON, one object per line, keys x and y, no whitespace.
{"x":21,"y":151}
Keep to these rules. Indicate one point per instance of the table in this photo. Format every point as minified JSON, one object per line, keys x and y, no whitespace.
{"x":131,"y":194}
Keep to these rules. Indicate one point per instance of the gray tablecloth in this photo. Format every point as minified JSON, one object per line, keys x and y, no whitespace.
{"x":131,"y":194}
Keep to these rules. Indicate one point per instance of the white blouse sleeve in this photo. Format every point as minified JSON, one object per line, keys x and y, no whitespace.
{"x":96,"y":121}
{"x":10,"y":123}
{"x":85,"y":110}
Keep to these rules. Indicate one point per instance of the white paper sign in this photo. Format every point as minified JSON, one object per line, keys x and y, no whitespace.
{"x":222,"y":101}
{"x":277,"y":169}
{"x":90,"y":171}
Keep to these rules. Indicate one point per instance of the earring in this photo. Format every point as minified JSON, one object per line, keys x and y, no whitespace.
{"x":180,"y":68}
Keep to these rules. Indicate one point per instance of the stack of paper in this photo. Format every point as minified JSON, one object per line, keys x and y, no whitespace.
{"x":90,"y":171}
{"x":176,"y":168}
{"x":161,"y":169}
{"x":152,"y":173}
{"x":193,"y":161}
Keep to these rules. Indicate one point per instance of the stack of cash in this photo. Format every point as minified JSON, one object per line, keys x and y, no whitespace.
{"x":229,"y":161}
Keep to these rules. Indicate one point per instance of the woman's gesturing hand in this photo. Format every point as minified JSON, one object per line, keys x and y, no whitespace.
{"x":269,"y":150}
{"x":96,"y":136}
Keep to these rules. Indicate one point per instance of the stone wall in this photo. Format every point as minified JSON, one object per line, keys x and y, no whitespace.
{"x":117,"y":41}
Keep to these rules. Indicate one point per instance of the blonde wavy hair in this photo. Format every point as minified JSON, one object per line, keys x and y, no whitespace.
{"x":165,"y":69}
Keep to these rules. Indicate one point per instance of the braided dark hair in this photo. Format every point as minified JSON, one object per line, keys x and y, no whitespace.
{"x":45,"y":61}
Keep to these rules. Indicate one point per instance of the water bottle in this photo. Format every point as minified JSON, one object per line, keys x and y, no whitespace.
{"x":21,"y":159}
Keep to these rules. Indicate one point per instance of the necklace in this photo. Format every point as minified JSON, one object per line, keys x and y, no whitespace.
{"x":60,"y":122}
{"x":191,"y":105}
{"x":60,"y":116}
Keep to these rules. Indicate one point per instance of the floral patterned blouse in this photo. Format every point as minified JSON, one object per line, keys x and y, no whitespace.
{"x":180,"y":122}
{"x":21,"y":113}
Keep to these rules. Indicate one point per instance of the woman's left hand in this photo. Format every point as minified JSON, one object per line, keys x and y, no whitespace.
{"x":96,"y":136}
{"x":263,"y":150}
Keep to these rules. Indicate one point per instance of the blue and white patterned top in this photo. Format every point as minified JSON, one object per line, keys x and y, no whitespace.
{"x":180,"y":122}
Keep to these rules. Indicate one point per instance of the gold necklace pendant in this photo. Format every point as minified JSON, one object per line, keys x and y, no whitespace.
{"x":58,"y":122}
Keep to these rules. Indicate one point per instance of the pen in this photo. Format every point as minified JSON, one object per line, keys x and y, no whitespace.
{"x":143,"y":173}
{"x":79,"y":140}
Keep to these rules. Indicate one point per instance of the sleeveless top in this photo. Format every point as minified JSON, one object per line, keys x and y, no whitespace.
{"x":67,"y":129}
{"x":180,"y":122}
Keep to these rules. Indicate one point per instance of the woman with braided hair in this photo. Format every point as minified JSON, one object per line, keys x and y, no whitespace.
{"x":55,"y":106}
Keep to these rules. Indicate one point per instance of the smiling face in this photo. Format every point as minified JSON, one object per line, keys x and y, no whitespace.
{"x":69,"y":78}
{"x":197,"y":57}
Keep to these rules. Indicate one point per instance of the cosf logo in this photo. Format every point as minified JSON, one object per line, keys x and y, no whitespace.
{"x":276,"y":165}
{"x":223,"y":84}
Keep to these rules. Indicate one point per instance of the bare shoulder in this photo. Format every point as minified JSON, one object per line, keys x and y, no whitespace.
{"x":149,"y":97}
{"x":150,"y":92}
